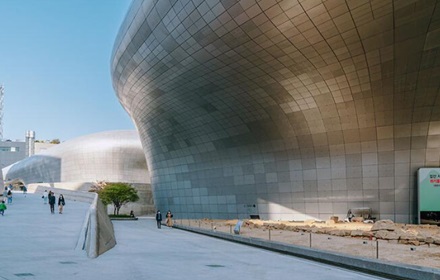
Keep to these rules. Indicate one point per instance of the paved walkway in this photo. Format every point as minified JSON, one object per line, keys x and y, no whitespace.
{"x":39,"y":245}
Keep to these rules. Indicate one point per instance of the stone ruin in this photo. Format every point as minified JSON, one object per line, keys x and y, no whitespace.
{"x":382,"y":229}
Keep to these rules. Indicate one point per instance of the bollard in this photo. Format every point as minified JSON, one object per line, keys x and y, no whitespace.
{"x":377,"y":249}
{"x":230,"y":229}
{"x":269,"y":235}
{"x":310,"y":240}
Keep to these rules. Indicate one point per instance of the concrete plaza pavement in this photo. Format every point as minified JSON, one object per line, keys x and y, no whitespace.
{"x":36,"y":244}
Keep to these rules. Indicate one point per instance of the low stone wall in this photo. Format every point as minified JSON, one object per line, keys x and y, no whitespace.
{"x":69,"y":191}
{"x":97,"y":234}
{"x":145,"y":205}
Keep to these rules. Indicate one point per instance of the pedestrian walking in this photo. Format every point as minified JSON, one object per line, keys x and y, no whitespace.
{"x":3,"y":208}
{"x":169,"y":220}
{"x":24,"y":190}
{"x":5,"y":193}
{"x":61,"y":204}
{"x":45,"y":196}
{"x":158,"y":218}
{"x":9,"y":197}
{"x":52,"y":200}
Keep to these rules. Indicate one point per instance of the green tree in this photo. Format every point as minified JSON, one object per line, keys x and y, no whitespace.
{"x":55,"y":141}
{"x":119,"y":194}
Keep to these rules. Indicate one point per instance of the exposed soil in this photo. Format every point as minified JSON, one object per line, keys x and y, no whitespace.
{"x":402,"y":243}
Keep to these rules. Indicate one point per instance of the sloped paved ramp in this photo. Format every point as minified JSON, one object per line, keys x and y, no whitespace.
{"x":38,"y":245}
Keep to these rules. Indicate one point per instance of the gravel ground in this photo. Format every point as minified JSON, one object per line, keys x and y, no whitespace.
{"x":313,"y":234}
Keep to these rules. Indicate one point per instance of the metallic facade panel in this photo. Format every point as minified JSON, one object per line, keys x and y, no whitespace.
{"x":286,"y":109}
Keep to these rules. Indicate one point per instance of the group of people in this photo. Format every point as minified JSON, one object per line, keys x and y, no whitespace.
{"x":168,"y":216}
{"x":50,"y":197}
{"x":7,"y":194}
{"x":47,"y":197}
{"x":7,"y":197}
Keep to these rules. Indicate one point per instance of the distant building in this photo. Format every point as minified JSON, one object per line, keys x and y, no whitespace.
{"x":41,"y":147}
{"x":14,"y":151}
{"x":11,"y":152}
{"x":77,"y":164}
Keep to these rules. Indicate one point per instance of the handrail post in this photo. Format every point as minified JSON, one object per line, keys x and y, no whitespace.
{"x":377,"y":249}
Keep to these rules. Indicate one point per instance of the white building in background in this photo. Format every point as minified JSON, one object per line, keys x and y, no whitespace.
{"x":14,"y":151}
{"x":77,"y":164}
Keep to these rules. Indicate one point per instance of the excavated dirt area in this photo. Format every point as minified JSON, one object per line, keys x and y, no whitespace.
{"x":385,"y":240}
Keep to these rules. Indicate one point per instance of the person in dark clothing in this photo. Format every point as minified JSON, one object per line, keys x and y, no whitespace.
{"x":61,"y":203}
{"x":158,"y":218}
{"x":9,"y":197}
{"x":52,"y":200}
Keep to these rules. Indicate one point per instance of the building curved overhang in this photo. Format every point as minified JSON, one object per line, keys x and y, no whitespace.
{"x":111,"y":156}
{"x":304,"y":109}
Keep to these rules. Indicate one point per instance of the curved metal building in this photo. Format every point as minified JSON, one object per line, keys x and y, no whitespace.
{"x":285,"y":109}
{"x":111,"y":156}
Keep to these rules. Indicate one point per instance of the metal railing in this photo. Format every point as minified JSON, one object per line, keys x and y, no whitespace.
{"x":361,"y":247}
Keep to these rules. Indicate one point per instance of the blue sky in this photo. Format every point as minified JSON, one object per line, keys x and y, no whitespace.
{"x":55,"y":67}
